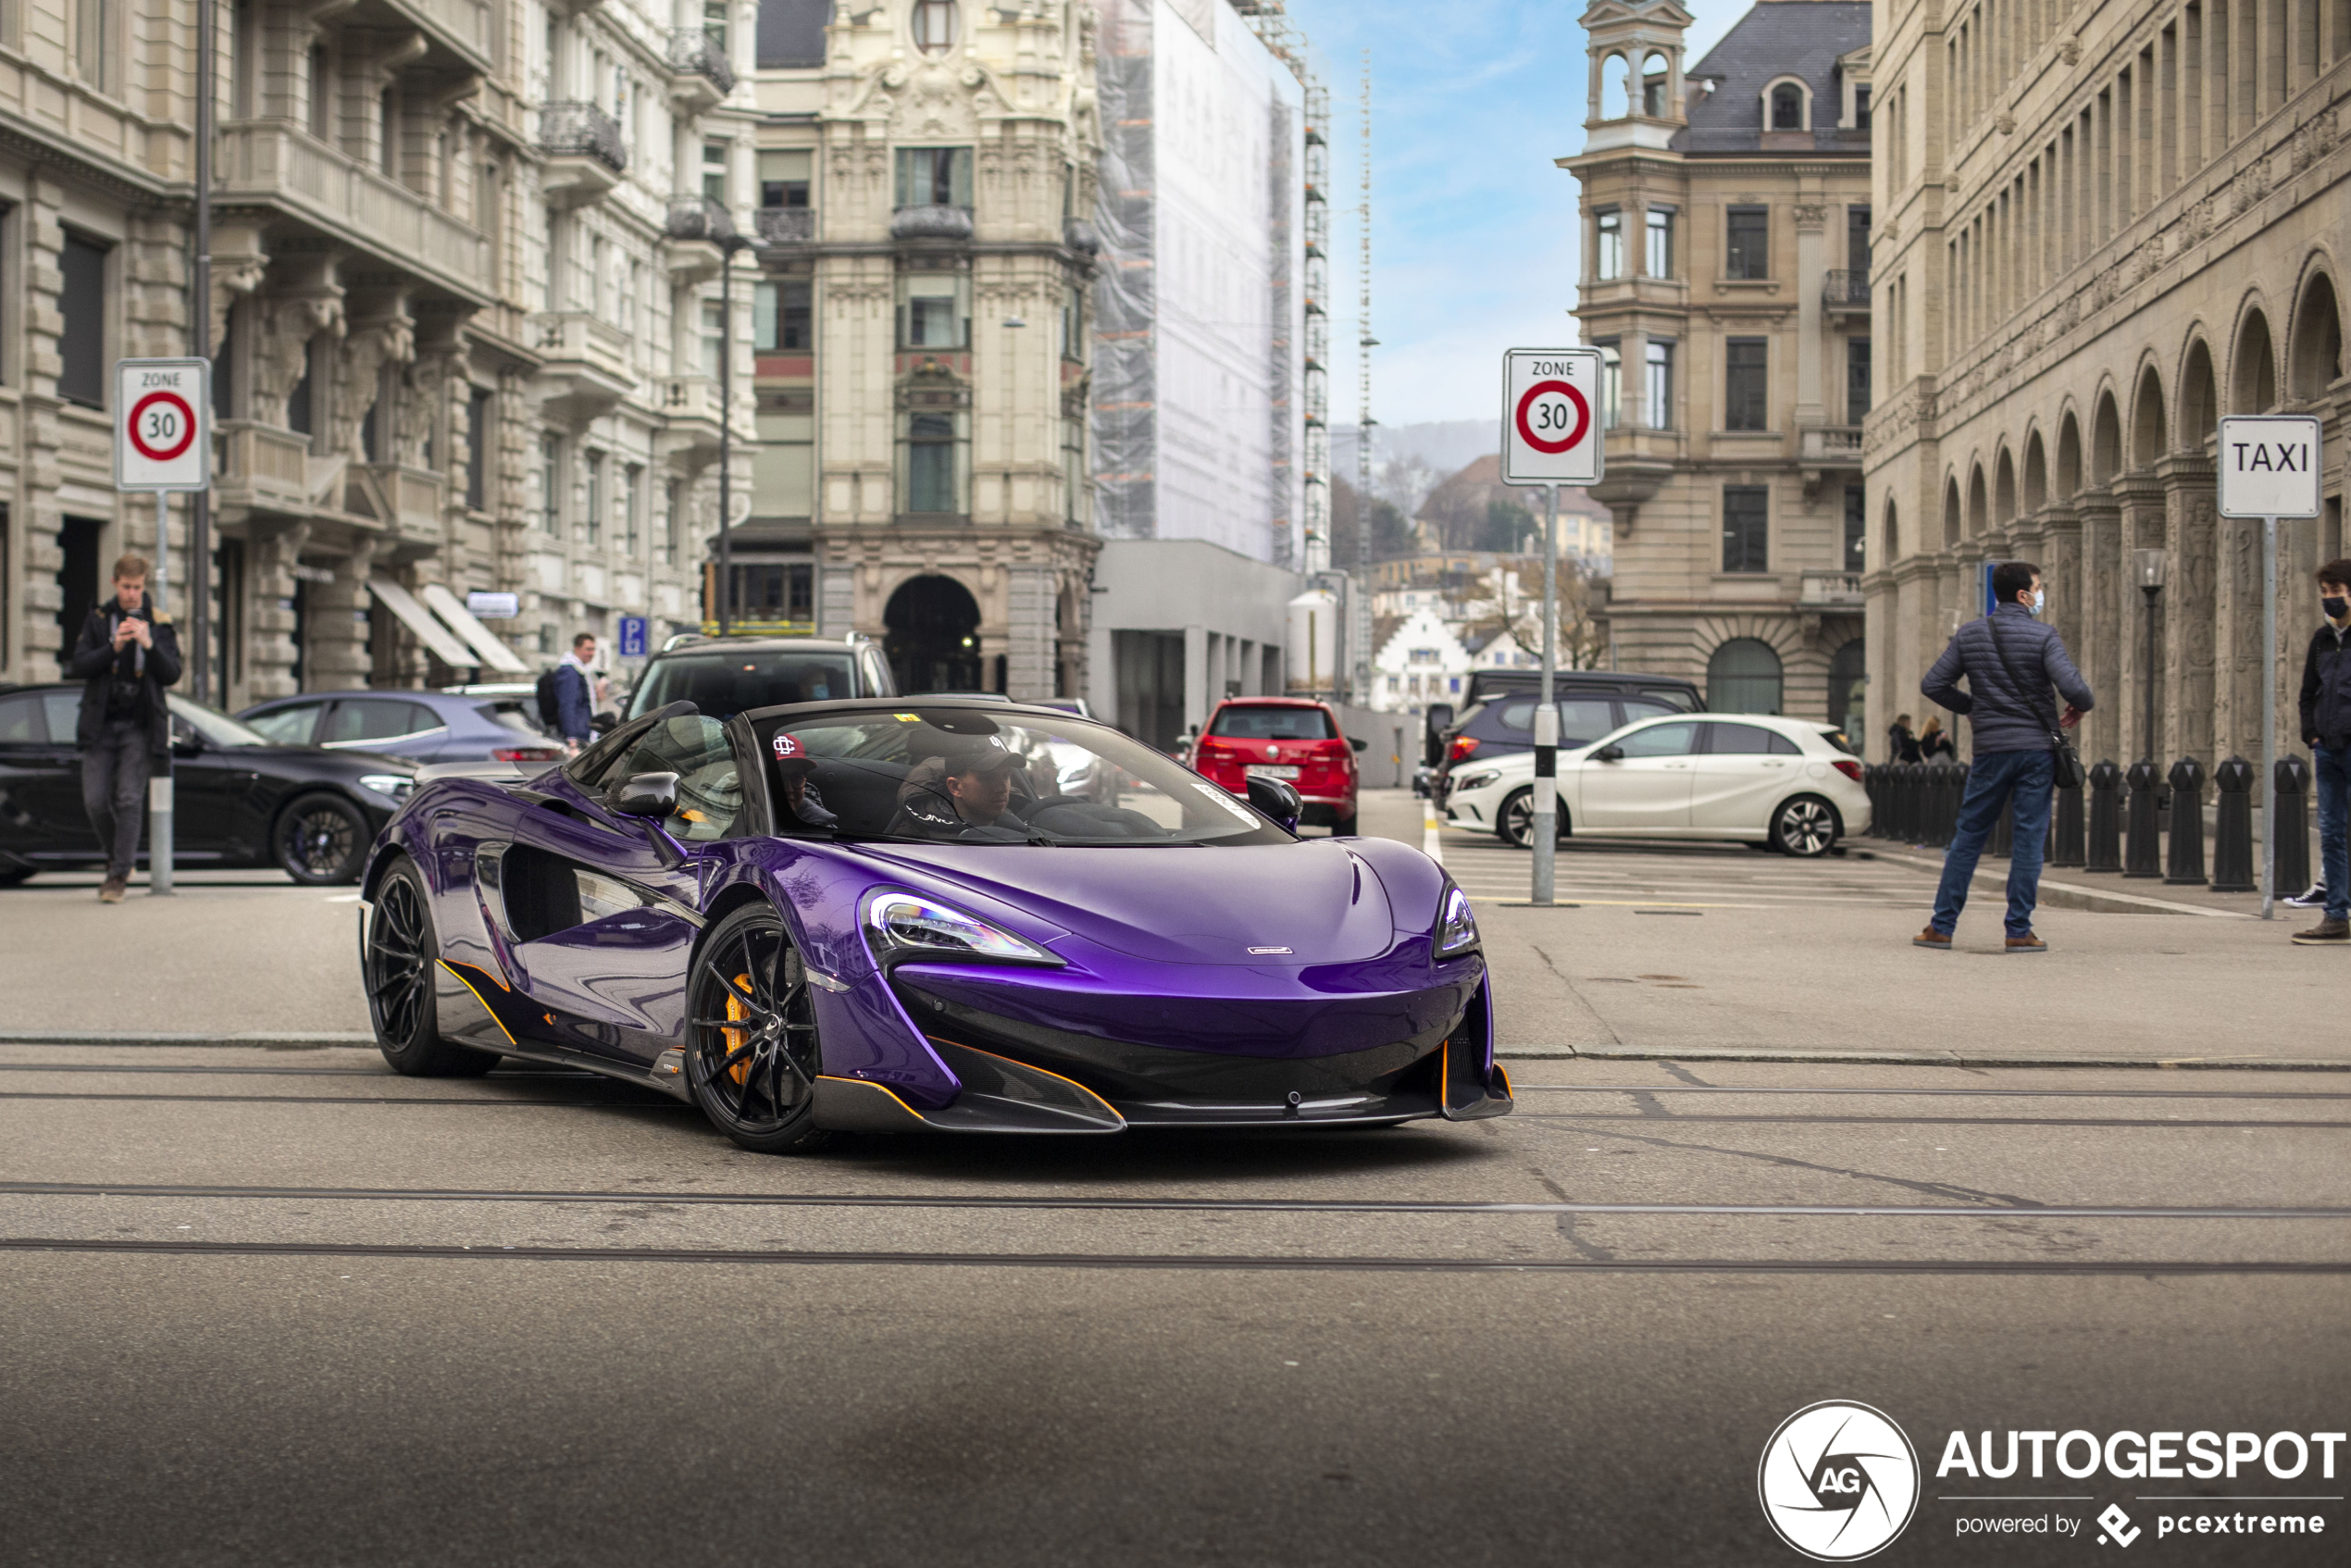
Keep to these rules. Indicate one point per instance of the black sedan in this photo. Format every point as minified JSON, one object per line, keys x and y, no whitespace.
{"x":238,"y":800}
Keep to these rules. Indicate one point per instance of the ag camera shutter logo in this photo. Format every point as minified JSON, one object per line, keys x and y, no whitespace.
{"x":1838,"y":1481}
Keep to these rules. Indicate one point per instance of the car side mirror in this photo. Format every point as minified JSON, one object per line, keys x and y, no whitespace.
{"x":652,"y":795}
{"x":1276,"y":800}
{"x":186,"y":741}
{"x":1609,"y":753}
{"x":1358,"y":745}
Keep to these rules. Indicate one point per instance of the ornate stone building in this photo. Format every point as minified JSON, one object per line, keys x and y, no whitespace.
{"x":923,"y":336}
{"x":2101,"y":228}
{"x":462,"y":262}
{"x":1725,"y":212}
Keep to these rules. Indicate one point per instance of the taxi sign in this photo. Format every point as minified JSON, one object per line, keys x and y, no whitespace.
{"x":2269,"y":465}
{"x":1551,"y":415}
{"x":162,"y":418}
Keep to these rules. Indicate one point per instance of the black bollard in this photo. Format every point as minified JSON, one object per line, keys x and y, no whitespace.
{"x":2142,"y":830}
{"x":2003,"y":842}
{"x":1930,"y":803}
{"x":1873,"y":778}
{"x":2065,"y":829}
{"x":2233,"y":832}
{"x":2104,"y":852}
{"x":1936,"y":830}
{"x":1909,"y":804}
{"x":2287,"y":817}
{"x":2187,"y":868}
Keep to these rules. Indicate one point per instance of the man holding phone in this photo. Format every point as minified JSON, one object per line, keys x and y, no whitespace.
{"x":2011,"y":662}
{"x":125,"y":657}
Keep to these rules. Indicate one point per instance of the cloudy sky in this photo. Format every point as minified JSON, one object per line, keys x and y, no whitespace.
{"x":1474,"y":231}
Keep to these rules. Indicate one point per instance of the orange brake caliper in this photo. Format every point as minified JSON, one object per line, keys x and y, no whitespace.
{"x":737,"y":1038}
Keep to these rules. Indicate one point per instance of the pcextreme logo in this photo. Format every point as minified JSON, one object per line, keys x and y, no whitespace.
{"x":1839,"y":1480}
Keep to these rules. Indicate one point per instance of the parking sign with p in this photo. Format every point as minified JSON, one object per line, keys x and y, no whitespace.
{"x":1551,"y":415}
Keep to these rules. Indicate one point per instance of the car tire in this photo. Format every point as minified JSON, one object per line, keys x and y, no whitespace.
{"x":1514,"y":823}
{"x":17,"y":876}
{"x":752,"y":1056}
{"x":1806,"y":827}
{"x":322,"y":840}
{"x":397,"y":959}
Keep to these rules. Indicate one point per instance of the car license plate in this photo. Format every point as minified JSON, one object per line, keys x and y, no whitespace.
{"x":1272,"y":771}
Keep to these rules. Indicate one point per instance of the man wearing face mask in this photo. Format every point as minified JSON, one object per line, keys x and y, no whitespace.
{"x":2326,"y":729}
{"x":2010,"y":661}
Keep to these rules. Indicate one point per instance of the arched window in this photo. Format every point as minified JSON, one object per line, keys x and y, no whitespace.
{"x":1849,"y":670}
{"x":1616,"y":74}
{"x":2317,"y":360}
{"x":1743,"y":678}
{"x":1653,"y":81}
{"x":934,"y":26}
{"x":1787,"y":107}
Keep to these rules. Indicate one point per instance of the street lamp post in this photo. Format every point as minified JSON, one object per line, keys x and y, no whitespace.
{"x":2150,"y":569}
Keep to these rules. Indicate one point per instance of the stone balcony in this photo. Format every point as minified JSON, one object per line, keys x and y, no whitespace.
{"x":586,"y":369}
{"x":1827,"y":449}
{"x":693,"y":413}
{"x":585,"y":155}
{"x":1829,"y":591}
{"x":702,"y":75}
{"x":1844,"y":291}
{"x":463,"y":26}
{"x":276,"y":165}
{"x":787,"y":226}
{"x":700,"y":232}
{"x":1639,"y":461}
{"x":406,"y":501}
{"x":934,"y":223}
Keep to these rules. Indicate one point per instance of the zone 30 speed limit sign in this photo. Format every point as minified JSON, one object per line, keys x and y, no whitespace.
{"x":162,"y":439}
{"x":1551,"y":415}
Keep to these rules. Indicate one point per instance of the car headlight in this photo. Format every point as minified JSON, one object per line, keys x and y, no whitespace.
{"x":902,"y":926}
{"x":1477,"y":780}
{"x":1456,"y":926}
{"x":392,"y":786}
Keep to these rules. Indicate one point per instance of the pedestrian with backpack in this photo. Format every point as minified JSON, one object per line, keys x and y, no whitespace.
{"x":2009,"y":660}
{"x":566,"y":694}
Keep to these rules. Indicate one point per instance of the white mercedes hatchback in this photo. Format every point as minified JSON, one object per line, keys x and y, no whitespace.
{"x":1787,"y":784}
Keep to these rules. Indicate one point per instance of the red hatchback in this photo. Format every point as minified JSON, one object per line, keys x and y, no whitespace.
{"x":1291,"y":739}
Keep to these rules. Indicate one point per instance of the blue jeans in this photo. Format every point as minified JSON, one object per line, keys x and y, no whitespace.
{"x":2334,"y":808}
{"x":1990,"y":779}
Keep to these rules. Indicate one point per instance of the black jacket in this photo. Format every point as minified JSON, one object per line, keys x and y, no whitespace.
{"x":2326,"y":689}
{"x":95,"y":663}
{"x":2007,"y":719}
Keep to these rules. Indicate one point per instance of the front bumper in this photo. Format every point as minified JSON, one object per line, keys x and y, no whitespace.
{"x":1049,"y":1050}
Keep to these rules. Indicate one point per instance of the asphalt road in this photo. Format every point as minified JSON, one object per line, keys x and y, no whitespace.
{"x":283,"y":1307}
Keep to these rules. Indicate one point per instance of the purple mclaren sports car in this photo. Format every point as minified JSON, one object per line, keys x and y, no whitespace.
{"x":924,"y":914}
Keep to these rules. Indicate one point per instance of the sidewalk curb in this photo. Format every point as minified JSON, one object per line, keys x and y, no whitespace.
{"x":263,"y":1040}
{"x":1921,"y":1058}
{"x":2073,"y":895}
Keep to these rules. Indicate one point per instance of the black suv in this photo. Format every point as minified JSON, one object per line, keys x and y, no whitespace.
{"x":723,"y":675}
{"x":1591,"y":702}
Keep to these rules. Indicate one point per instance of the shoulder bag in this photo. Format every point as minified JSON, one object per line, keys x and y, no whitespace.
{"x":2069,"y":771}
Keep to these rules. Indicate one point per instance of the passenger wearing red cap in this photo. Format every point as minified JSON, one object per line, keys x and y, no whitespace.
{"x":796,"y":768}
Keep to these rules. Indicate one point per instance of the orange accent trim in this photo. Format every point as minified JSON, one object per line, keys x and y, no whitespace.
{"x":868,"y":1083}
{"x":478,"y":997}
{"x":1508,"y":1093}
{"x":1030,"y":1068}
{"x":550,"y":1017}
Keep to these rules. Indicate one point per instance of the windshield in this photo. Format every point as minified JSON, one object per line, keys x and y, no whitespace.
{"x":721,"y":684}
{"x":217,"y":727}
{"x":964,"y":776}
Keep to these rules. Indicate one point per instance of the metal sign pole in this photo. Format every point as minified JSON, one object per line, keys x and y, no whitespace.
{"x":160,"y":781}
{"x":1547,"y":715}
{"x":2268,"y":717}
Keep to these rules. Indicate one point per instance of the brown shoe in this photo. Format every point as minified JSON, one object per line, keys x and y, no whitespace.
{"x":1939,"y":940}
{"x":2326,"y":933}
{"x":2027,"y":943}
{"x":112,"y":889}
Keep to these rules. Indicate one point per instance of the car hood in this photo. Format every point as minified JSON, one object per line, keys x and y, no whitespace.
{"x":1313,"y":899}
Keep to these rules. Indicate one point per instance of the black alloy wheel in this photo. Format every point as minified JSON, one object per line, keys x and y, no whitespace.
{"x":322,"y":839}
{"x":1516,"y":825}
{"x":399,"y":957}
{"x":752,"y":1057}
{"x":1806,"y":827}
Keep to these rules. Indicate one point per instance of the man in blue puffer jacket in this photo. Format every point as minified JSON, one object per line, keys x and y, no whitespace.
{"x":2013,"y":723}
{"x":2326,"y":729}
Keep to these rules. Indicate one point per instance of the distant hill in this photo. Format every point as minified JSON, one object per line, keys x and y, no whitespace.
{"x":1445,"y":445}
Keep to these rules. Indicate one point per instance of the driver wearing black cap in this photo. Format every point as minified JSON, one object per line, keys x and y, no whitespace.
{"x":794,"y":768}
{"x":970,"y":786}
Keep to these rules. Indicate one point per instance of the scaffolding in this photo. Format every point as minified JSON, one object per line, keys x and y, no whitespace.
{"x":1273,"y":28}
{"x":1359,"y":594}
